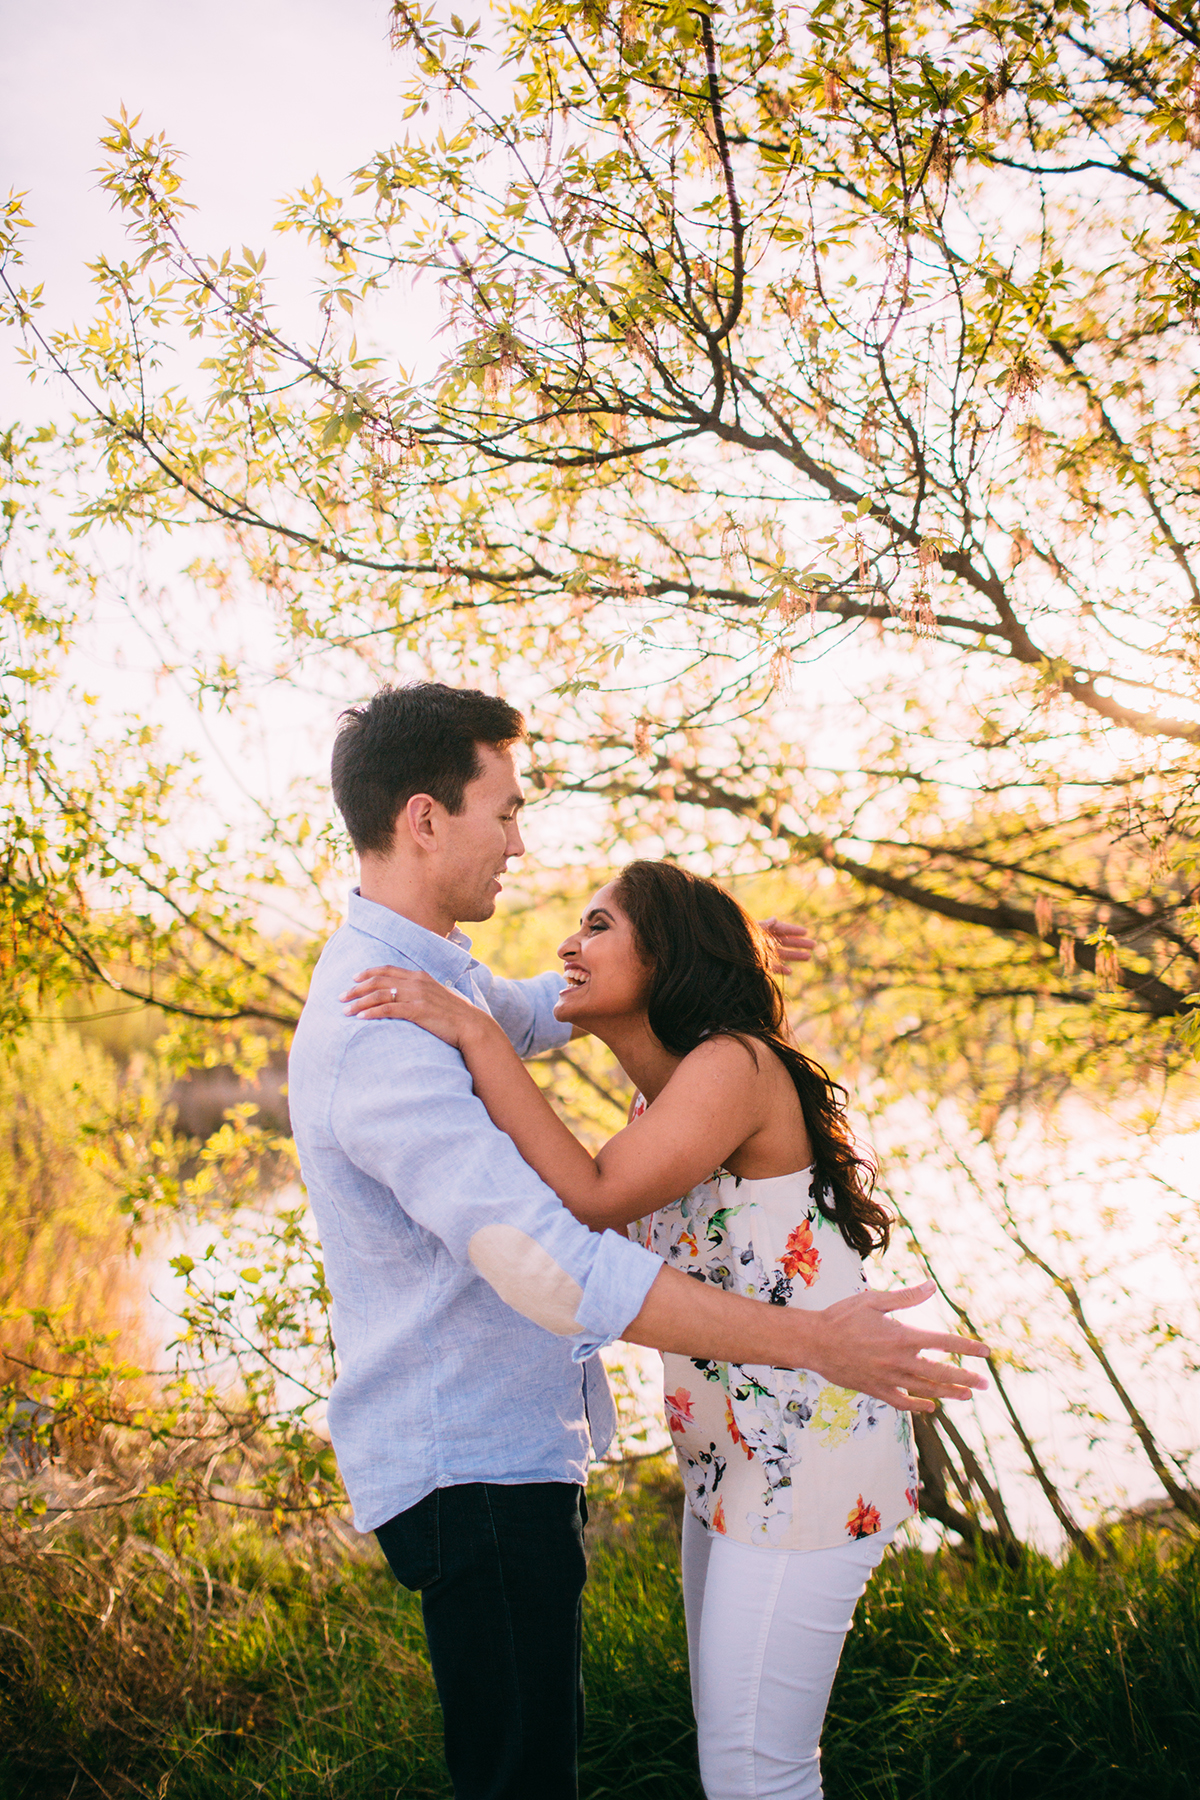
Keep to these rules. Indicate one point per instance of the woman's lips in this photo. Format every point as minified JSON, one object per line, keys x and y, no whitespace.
{"x":573,"y":987}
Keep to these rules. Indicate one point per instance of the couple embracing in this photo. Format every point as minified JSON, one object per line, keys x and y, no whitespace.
{"x":479,"y":1258}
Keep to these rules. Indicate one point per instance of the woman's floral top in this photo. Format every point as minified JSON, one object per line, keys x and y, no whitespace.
{"x":776,"y":1456}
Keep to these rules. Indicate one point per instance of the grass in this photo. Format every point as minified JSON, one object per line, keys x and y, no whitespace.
{"x":297,"y":1672}
{"x":1050,"y":1683}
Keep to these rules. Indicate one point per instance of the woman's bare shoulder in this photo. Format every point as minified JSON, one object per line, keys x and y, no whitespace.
{"x":725,"y":1057}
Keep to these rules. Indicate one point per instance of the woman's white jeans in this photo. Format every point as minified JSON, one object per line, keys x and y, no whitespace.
{"x":765,"y":1632}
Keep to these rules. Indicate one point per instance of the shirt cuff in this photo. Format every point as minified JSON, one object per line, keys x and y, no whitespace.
{"x":621,"y":1276}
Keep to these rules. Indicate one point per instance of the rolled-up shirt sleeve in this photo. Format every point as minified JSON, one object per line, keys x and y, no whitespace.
{"x":407,"y":1115}
{"x":525,"y":1010}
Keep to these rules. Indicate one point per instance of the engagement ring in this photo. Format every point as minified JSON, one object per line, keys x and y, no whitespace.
{"x":393,"y":993}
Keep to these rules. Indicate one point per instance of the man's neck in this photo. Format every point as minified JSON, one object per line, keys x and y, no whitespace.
{"x":386,"y":883}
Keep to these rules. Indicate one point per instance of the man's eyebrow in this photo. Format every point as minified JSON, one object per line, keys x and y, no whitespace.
{"x":514,"y":802}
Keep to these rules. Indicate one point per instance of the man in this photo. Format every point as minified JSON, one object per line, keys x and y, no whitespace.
{"x":468,"y":1304}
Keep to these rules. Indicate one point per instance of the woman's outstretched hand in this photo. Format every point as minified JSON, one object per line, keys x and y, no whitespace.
{"x":791,"y":943}
{"x":390,"y":993}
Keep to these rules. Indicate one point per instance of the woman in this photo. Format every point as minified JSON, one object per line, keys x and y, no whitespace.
{"x":794,"y":1487}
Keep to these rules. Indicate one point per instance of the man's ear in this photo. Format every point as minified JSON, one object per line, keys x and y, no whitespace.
{"x":419,"y":820}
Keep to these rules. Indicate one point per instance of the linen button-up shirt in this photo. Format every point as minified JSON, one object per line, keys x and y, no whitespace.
{"x":465,"y":1296}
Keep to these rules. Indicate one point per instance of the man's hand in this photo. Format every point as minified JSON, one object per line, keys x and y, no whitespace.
{"x":863,"y":1347}
{"x":790,"y":942}
{"x":855,"y":1343}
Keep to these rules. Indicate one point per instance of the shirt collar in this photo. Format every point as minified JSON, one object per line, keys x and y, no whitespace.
{"x":446,"y":959}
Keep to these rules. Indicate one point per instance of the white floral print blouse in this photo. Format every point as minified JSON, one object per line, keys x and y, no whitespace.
{"x":778,"y":1457}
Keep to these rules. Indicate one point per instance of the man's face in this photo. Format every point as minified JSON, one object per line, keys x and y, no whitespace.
{"x":475,"y":844}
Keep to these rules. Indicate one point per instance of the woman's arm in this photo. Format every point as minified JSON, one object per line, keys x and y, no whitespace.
{"x":853,"y":1343}
{"x":709,"y":1106}
{"x":512,"y":1097}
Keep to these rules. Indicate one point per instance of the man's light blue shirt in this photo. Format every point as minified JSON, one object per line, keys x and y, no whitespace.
{"x":465,"y":1296}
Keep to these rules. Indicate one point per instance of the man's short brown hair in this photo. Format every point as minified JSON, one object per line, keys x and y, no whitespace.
{"x":420,"y":739}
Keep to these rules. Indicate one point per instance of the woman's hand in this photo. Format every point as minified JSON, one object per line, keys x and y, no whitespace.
{"x":790,"y":942}
{"x":390,"y":993}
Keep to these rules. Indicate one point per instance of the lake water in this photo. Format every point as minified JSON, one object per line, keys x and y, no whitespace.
{"x":1126,"y":1235}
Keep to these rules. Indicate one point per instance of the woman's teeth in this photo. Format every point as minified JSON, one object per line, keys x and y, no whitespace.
{"x":574,"y":977}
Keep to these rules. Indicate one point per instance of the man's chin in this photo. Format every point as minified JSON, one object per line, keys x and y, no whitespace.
{"x":478,"y":911}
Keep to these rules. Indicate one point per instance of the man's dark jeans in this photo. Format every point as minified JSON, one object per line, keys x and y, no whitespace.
{"x":501,"y":1572}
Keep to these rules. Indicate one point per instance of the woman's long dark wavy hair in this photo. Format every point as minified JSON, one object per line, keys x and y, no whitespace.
{"x":712,"y":978}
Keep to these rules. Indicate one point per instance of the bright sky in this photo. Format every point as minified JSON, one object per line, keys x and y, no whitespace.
{"x":260,"y":94}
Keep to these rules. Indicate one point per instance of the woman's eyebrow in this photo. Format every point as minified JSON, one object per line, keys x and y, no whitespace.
{"x":596,"y":912}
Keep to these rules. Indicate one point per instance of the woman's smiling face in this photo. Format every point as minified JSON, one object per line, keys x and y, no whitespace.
{"x":605,"y":975}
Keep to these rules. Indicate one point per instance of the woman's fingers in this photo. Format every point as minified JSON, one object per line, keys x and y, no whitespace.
{"x":387,"y":978}
{"x":377,"y":986}
{"x":381,"y":1007}
{"x":791,"y":943}
{"x":411,"y":995}
{"x":388,"y":994}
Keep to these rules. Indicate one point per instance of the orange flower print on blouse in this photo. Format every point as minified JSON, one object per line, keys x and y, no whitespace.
{"x":679,"y":1409}
{"x":735,"y":1434}
{"x":862,"y":1520}
{"x":718,"y":1518}
{"x":801,"y":1256}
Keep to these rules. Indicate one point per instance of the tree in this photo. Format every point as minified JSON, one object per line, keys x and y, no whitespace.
{"x":758,"y":339}
{"x":783,"y":350}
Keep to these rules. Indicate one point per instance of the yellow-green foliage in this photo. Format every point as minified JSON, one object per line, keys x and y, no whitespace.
{"x":68,"y":1121}
{"x":122,"y":1028}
